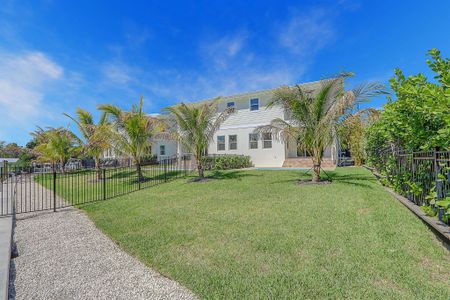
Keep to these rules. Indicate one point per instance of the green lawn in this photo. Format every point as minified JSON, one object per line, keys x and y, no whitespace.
{"x":258,"y":235}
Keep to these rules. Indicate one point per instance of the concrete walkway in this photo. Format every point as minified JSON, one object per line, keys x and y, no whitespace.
{"x":63,"y":255}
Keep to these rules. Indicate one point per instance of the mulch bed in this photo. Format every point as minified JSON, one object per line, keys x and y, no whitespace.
{"x":310,"y":182}
{"x":200,"y":180}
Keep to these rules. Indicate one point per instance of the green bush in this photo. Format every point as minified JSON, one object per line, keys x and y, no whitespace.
{"x":428,"y":210}
{"x":227,"y":162}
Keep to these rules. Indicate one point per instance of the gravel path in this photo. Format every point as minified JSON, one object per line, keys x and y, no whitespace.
{"x":64,"y":256}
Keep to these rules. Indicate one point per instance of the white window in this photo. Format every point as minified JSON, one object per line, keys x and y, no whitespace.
{"x":232,"y":142}
{"x":267,"y":140}
{"x":162,"y":150}
{"x":254,"y":104}
{"x":253,"y":141}
{"x":220,"y":143}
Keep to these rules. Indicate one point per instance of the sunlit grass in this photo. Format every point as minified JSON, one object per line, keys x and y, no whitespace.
{"x":259,"y":235}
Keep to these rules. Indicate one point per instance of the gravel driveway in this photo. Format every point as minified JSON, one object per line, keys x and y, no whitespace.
{"x":63,"y":255}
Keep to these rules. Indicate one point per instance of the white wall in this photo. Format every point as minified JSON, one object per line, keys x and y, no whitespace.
{"x":171,"y":148}
{"x":272,"y":157}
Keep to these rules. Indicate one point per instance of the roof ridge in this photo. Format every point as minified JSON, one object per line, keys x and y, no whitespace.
{"x":256,"y":91}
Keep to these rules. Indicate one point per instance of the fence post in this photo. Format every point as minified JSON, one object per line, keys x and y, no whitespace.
{"x":165,"y":170}
{"x":5,"y":169}
{"x":185,"y":165}
{"x":139,"y":179}
{"x":104,"y":184}
{"x":54,"y":191}
{"x":438,"y":181}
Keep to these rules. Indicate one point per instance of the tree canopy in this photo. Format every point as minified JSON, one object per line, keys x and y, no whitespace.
{"x":418,"y":116}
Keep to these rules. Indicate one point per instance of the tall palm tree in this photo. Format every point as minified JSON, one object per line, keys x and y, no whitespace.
{"x":132,"y":132}
{"x":95,"y":137}
{"x":316,"y":114}
{"x":196,"y":126}
{"x":56,"y":145}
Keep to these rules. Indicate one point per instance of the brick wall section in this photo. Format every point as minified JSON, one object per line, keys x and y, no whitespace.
{"x":306,"y":163}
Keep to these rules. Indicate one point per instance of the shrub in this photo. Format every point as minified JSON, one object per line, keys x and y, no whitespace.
{"x":227,"y":162}
{"x":428,"y":210}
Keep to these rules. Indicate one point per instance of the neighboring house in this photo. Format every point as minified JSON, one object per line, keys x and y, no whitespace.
{"x":236,"y":135}
{"x":9,"y":160}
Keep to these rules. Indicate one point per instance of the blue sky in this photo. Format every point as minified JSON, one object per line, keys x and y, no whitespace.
{"x":58,"y":55}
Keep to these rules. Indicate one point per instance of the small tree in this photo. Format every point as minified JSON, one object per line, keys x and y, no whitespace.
{"x":196,"y":125}
{"x":352,"y":133}
{"x":316,"y":114}
{"x":56,"y":145}
{"x":95,"y":137}
{"x":132,"y":131}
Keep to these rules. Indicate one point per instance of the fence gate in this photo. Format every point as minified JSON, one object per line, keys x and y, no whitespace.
{"x":27,"y":192}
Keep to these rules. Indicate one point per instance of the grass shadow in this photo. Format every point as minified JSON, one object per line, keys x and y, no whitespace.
{"x":221,"y":175}
{"x":361,"y":180}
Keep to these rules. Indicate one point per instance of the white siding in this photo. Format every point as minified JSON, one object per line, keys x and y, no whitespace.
{"x":171,"y":148}
{"x":243,"y":115}
{"x":272,"y":157}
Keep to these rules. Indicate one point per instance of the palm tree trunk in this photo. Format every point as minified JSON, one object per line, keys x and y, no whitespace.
{"x":316,"y":172}
{"x":201,"y":171}
{"x":61,"y":167}
{"x":139,"y":172}
{"x":97,"y":168}
{"x":199,"y":158}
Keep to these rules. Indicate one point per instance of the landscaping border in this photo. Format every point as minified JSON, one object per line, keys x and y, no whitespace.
{"x":438,"y":226}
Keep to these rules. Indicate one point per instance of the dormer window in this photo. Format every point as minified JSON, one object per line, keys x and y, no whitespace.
{"x":254,"y":104}
{"x":231,"y":106}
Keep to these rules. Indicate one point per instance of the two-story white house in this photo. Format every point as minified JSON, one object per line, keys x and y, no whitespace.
{"x":236,"y":135}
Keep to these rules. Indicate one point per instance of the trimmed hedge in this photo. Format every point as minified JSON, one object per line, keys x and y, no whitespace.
{"x":227,"y":162}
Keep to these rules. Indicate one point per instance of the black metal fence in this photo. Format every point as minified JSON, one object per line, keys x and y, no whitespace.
{"x":423,"y":177}
{"x":24,"y":190}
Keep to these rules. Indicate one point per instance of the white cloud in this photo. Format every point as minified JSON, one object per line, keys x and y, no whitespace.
{"x":117,"y":73}
{"x":231,"y":64}
{"x":222,"y":52}
{"x":307,"y":32}
{"x":22,"y":81}
{"x":23,"y":78}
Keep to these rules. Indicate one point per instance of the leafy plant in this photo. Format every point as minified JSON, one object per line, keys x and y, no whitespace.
{"x":417,"y":117}
{"x":227,"y":162}
{"x":56,"y":146}
{"x":315,"y":115}
{"x":132,"y":131}
{"x":197,"y":124}
{"x":353,"y":130}
{"x":428,"y":210}
{"x":95,"y":138}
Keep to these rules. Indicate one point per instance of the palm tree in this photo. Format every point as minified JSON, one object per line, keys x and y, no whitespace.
{"x":56,"y":145}
{"x":95,"y":137}
{"x":132,"y":132}
{"x":197,"y":124}
{"x":316,"y":114}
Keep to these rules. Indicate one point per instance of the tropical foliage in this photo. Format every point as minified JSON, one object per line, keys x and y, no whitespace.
{"x":132,"y":132}
{"x":352,"y":133}
{"x":418,"y":117}
{"x":315,"y":115}
{"x":56,"y":145}
{"x":95,"y":138}
{"x":196,"y":126}
{"x":12,"y":150}
{"x":227,"y":162}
